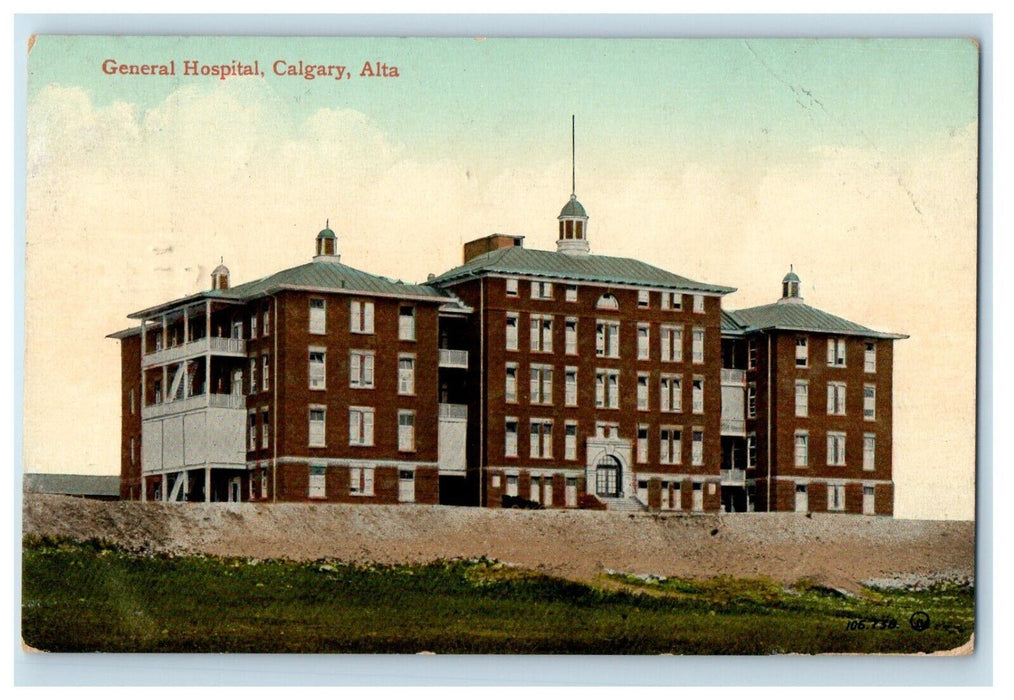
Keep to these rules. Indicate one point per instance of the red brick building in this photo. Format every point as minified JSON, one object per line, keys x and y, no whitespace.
{"x":807,"y":413}
{"x":558,"y":378}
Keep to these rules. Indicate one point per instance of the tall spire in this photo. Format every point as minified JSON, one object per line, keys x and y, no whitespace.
{"x":573,"y":158}
{"x":573,"y":220}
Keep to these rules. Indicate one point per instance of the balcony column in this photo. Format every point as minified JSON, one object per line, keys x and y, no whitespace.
{"x":207,"y":358}
{"x":165,"y":488}
{"x":144,"y":489}
{"x":165,"y":383}
{"x":186,"y":324}
{"x":165,"y":333}
{"x":207,"y":484}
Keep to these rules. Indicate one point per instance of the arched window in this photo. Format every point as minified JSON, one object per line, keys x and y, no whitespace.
{"x":607,"y":301}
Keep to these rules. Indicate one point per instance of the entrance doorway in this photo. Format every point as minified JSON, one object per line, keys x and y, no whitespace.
{"x":869,"y":496}
{"x":607,"y":477}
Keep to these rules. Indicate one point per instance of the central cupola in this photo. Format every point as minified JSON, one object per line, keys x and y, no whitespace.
{"x":327,"y":245}
{"x":573,"y":219}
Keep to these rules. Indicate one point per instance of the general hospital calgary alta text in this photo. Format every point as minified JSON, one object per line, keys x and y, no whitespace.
{"x":236,"y":69}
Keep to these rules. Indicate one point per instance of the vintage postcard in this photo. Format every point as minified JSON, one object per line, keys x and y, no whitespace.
{"x":510,"y":346}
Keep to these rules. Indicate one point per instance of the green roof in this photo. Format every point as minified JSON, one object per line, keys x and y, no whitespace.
{"x":326,"y":275}
{"x":326,"y":233}
{"x":572,"y":208}
{"x":317,"y":275}
{"x":72,"y":484}
{"x":796,"y":316}
{"x":730,"y":325}
{"x":516,"y":260}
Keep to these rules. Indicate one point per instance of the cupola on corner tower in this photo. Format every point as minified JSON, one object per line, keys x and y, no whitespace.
{"x":573,"y":238}
{"x":790,"y":288}
{"x":220,"y":276}
{"x":327,"y":245}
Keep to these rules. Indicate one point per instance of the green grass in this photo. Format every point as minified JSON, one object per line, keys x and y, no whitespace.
{"x":92,"y":597}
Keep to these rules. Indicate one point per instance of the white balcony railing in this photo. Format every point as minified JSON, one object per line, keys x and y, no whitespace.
{"x":191,"y":403}
{"x":733,"y":476}
{"x":219,"y":346}
{"x":734,"y":376}
{"x":457,"y":359}
{"x":733,"y":426}
{"x":453,"y":411}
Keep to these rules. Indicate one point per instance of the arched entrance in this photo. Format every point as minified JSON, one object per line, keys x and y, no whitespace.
{"x":608,"y":473}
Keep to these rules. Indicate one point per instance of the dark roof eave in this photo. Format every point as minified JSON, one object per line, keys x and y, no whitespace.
{"x":867,"y":333}
{"x":471,"y":274}
{"x":215,"y":295}
{"x":125,"y":333}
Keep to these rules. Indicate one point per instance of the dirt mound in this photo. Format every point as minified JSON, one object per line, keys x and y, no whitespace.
{"x":840,"y":551}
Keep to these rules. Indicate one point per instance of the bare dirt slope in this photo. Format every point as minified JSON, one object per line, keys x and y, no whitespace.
{"x":837,"y":550}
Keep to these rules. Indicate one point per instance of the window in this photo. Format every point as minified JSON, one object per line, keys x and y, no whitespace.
{"x":253,"y":325}
{"x":671,"y":393}
{"x":361,"y":426}
{"x":869,"y":451}
{"x":751,"y":354}
{"x":132,"y":404}
{"x":512,"y":484}
{"x":361,"y":369}
{"x":264,"y":483}
{"x":607,"y":301}
{"x":511,"y":382}
{"x":251,"y":440}
{"x":870,"y":357}
{"x":802,"y":398}
{"x":836,"y":449}
{"x":643,"y":298}
{"x":266,"y":322}
{"x":133,"y":450}
{"x":570,"y":386}
{"x":318,"y":373}
{"x":836,"y":352}
{"x":361,"y":481}
{"x":361,"y":317}
{"x":570,"y":336}
{"x":253,"y":376}
{"x":697,"y":451}
{"x":510,"y":445}
{"x":406,"y":486}
{"x":670,"y":445}
{"x":535,"y":489}
{"x":698,"y":395}
{"x":265,"y":428}
{"x":512,"y":331}
{"x":836,"y":496}
{"x":869,"y":402}
{"x":607,"y":392}
{"x":318,"y":415}
{"x":570,"y":440}
{"x":541,"y":384}
{"x":541,"y":445}
{"x":802,"y":353}
{"x":406,"y":431}
{"x":607,"y":338}
{"x":642,"y":391}
{"x":542,"y":290}
{"x":802,"y":449}
{"x":406,"y":323}
{"x":751,"y":450}
{"x":317,"y":322}
{"x":642,"y":444}
{"x":672,"y":300}
{"x":265,"y":372}
{"x":836,"y":398}
{"x":542,"y":333}
{"x":698,"y":303}
{"x":643,"y":341}
{"x":672,"y":343}
{"x":609,"y":431}
{"x":511,"y":287}
{"x":318,"y":473}
{"x":406,"y":374}
{"x":676,"y":501}
{"x":698,"y":346}
{"x":571,"y":294}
